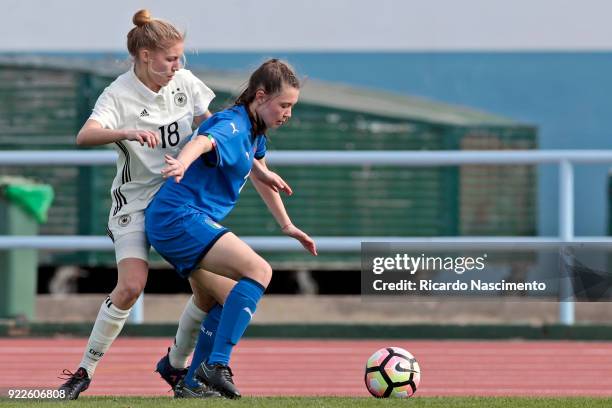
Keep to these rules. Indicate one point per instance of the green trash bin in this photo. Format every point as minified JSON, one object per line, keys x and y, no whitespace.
{"x":23,"y":205}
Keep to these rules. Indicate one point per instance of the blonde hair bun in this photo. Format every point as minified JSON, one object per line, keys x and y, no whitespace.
{"x":141,"y":17}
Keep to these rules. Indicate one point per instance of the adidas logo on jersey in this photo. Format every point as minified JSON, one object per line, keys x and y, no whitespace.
{"x":144,"y":113}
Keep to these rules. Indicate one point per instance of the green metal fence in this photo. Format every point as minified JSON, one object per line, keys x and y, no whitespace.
{"x":43,"y":106}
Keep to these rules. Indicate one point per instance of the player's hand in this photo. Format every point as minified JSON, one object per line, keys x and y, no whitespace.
{"x":270,"y":179}
{"x":307,"y":242}
{"x":174,"y":168}
{"x":143,"y":137}
{"x":273,"y":180}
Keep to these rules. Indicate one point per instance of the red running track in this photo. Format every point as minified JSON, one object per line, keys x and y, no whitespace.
{"x":330,"y":367}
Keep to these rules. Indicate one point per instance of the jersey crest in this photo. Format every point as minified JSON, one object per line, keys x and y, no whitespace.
{"x":124,"y":220}
{"x":180,"y":98}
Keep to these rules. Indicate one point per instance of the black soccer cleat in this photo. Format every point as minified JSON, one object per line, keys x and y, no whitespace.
{"x":76,"y":383}
{"x":170,"y":374}
{"x":219,"y":378}
{"x":183,"y":390}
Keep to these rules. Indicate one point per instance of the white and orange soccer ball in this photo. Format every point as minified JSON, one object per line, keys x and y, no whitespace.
{"x":392,"y":372}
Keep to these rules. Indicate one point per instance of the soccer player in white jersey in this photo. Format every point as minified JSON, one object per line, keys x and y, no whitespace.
{"x":146,"y":113}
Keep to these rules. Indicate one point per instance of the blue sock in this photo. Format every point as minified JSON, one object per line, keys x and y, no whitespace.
{"x":205,"y":343}
{"x":237,"y":313}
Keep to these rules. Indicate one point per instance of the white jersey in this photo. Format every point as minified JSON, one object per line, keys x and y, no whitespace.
{"x":128,"y":104}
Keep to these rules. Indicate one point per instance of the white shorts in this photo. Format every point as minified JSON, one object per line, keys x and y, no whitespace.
{"x":128,"y":234}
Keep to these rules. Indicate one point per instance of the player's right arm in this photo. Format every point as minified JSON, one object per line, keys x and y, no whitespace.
{"x":107,"y":122}
{"x":93,"y":134}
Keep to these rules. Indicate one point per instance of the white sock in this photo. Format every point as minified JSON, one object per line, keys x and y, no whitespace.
{"x":108,"y":325}
{"x":186,"y":334}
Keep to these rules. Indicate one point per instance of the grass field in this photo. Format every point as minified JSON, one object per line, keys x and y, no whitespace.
{"x":327,"y":402}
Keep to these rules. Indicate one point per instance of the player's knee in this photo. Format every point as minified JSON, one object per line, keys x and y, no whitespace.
{"x":127,"y":293}
{"x":204,"y":300}
{"x":262,"y":273}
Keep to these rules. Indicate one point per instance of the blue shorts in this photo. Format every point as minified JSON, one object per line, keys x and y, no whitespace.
{"x":185,"y":241}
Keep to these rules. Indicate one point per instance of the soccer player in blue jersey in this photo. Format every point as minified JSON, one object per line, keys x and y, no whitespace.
{"x":182,"y":221}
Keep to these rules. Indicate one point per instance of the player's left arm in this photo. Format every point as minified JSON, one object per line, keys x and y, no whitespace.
{"x":202,"y":96}
{"x":275,"y":204}
{"x":261,"y":172}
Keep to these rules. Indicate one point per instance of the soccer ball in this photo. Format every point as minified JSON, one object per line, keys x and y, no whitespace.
{"x":392,"y":372}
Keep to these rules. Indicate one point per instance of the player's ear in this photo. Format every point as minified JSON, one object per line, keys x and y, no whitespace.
{"x":144,"y":55}
{"x":260,"y":95}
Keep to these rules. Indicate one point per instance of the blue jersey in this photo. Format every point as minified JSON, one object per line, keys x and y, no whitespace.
{"x":212,"y":183}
